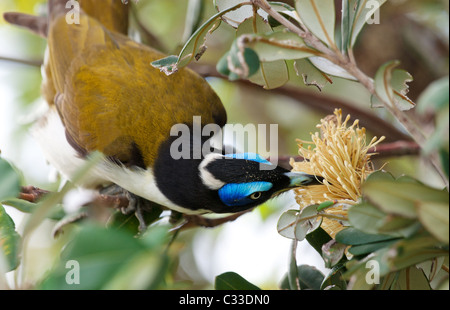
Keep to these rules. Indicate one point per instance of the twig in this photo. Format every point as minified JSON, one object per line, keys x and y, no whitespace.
{"x":398,"y":148}
{"x":28,"y":62}
{"x":34,"y":194}
{"x":201,"y":221}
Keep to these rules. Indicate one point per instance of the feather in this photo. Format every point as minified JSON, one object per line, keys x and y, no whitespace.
{"x":236,"y":194}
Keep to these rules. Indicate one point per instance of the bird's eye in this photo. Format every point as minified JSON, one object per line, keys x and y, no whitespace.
{"x":255,"y":195}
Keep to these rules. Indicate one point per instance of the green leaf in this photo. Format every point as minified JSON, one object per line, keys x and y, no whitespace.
{"x":57,"y":213}
{"x":310,"y":74}
{"x":9,"y":181}
{"x":368,"y":248}
{"x":353,"y":236}
{"x":142,"y":271}
{"x":335,"y":280}
{"x":308,"y":221}
{"x":271,"y":74}
{"x":445,"y":160}
{"x":168,"y":65}
{"x":233,"y":281}
{"x":327,"y":67}
{"x":401,"y":196}
{"x":318,"y":238}
{"x":107,"y":256}
{"x":372,"y":220}
{"x":9,"y":241}
{"x":411,"y":278}
{"x":414,"y":250}
{"x":310,"y":278}
{"x":280,"y":45}
{"x":296,"y":225}
{"x":332,"y":253}
{"x":355,"y":15}
{"x":302,"y":277}
{"x":391,"y":87}
{"x":286,"y":224}
{"x":434,"y":216}
{"x":366,"y":217}
{"x":194,"y":47}
{"x":435,"y":97}
{"x":194,"y":13}
{"x":319,"y":16}
{"x":235,"y":17}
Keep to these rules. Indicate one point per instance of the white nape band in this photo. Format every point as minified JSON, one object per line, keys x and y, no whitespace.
{"x":207,"y":178}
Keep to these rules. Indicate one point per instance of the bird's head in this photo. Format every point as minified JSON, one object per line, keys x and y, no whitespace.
{"x":226,"y":183}
{"x":246,"y":180}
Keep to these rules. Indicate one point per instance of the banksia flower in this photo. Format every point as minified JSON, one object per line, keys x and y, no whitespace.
{"x":340,"y":155}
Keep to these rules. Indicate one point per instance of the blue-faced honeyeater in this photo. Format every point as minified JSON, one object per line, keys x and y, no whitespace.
{"x":103,"y":95}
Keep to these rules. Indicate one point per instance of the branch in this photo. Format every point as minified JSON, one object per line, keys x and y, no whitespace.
{"x":34,"y":63}
{"x":398,"y":148}
{"x":34,"y":194}
{"x":324,"y":104}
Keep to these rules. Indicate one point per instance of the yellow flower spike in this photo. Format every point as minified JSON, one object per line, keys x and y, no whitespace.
{"x":340,"y":155}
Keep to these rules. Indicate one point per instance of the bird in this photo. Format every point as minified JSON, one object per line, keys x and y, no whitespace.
{"x":103,"y":95}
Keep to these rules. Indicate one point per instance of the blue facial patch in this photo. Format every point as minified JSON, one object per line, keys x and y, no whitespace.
{"x":236,"y":194}
{"x":249,"y":156}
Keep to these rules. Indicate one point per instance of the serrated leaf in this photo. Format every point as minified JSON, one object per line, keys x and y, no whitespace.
{"x":310,"y":74}
{"x":168,"y":65}
{"x":9,"y":241}
{"x":319,"y":16}
{"x":242,"y":62}
{"x":9,"y":181}
{"x":271,"y":74}
{"x":391,"y":87}
{"x":233,"y":281}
